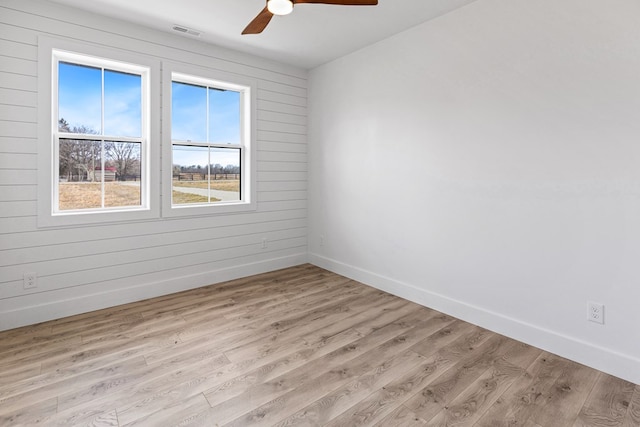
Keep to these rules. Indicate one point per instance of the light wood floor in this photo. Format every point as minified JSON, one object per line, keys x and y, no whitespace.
{"x":300,"y":346}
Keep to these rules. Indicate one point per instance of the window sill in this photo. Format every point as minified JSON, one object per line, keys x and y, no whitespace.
{"x":204,"y":210}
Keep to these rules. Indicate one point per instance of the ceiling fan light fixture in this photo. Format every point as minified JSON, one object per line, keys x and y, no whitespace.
{"x":280,"y":7}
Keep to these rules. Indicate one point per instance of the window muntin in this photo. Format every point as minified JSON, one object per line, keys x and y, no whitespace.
{"x":209,"y":141}
{"x":101,"y":112}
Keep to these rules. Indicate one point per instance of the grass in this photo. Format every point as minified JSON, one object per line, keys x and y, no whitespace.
{"x":180,"y":198}
{"x":220,"y":184}
{"x":88,"y":195}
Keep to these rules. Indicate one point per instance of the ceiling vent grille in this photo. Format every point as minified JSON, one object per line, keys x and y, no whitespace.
{"x":185,"y":30}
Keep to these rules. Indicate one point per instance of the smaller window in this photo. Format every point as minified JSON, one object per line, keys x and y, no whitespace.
{"x":210,"y":145}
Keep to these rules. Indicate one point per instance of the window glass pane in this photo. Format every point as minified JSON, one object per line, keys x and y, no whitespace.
{"x":79,"y":185}
{"x":122,"y":174}
{"x":79,"y":98}
{"x":225,"y":174}
{"x":190,"y":175}
{"x":224,"y":116}
{"x":188,"y":112}
{"x":122,"y":104}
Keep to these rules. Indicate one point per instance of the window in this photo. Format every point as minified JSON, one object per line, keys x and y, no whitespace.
{"x":96,"y":154}
{"x":99,"y":140}
{"x":210,"y":150}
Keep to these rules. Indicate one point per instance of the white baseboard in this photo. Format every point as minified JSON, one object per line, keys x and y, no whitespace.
{"x":136,"y":292}
{"x":603,"y":359}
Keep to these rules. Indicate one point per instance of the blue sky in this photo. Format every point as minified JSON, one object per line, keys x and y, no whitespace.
{"x":79,"y":99}
{"x":79,"y":103}
{"x":188,"y":156}
{"x":189,"y":122}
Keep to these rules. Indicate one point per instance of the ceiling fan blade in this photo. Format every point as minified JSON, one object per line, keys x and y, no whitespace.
{"x":259,"y":23}
{"x":341,"y":2}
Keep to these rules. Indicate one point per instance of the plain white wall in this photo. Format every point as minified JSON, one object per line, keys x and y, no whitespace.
{"x":487,"y":164}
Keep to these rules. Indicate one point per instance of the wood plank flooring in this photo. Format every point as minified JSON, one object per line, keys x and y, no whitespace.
{"x":295,"y":347}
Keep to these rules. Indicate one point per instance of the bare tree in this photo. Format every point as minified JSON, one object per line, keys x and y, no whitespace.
{"x":216,"y":169}
{"x":125,"y":156}
{"x":65,"y":162}
{"x":78,"y":155}
{"x":231,"y":170}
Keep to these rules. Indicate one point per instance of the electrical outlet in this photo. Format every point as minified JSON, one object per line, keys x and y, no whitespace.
{"x":322,"y":240}
{"x":264,"y":243}
{"x":595,"y":312}
{"x":30,"y":280}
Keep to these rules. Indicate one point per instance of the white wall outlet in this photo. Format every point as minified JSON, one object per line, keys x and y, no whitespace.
{"x":265,"y":243}
{"x":595,"y":312}
{"x":30,"y":280}
{"x":322,"y":240}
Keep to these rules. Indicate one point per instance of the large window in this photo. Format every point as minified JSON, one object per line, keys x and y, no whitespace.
{"x":210,"y":145}
{"x":99,"y":139}
{"x":95,"y":163}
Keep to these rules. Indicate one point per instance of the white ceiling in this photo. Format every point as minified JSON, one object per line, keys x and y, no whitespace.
{"x":312,"y":35}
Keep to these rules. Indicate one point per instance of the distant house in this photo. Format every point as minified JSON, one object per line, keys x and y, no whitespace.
{"x":109,"y":173}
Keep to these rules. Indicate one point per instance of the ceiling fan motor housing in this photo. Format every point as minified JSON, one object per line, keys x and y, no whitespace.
{"x":280,"y":7}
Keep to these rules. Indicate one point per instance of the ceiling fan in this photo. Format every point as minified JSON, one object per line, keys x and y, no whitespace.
{"x":285,"y":7}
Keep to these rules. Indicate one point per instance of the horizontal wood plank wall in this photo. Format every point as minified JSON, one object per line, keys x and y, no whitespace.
{"x":90,"y":267}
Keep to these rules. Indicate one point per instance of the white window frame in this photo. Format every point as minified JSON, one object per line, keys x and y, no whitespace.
{"x":217,"y":79}
{"x":50,"y":52}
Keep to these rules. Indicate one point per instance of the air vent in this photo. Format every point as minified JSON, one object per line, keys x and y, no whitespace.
{"x":185,"y":30}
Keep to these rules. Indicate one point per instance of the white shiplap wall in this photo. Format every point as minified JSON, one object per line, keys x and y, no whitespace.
{"x":85,"y":268}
